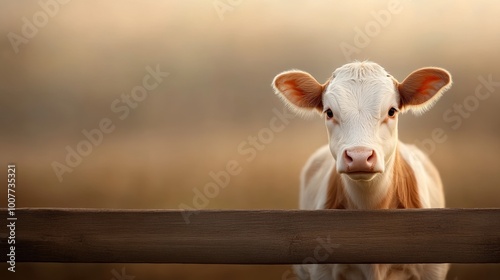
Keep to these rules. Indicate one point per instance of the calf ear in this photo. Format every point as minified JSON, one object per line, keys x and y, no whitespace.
{"x":299,"y":89}
{"x":422,"y":88}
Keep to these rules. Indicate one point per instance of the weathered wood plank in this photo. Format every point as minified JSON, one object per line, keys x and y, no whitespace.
{"x":256,"y":237}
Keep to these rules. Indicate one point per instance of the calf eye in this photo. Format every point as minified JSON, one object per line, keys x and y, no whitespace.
{"x":392,"y":112}
{"x":329,"y":114}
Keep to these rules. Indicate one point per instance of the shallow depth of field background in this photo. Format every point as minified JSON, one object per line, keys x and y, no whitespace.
{"x":217,"y":95}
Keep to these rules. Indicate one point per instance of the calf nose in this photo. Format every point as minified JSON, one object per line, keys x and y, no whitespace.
{"x":360,"y":159}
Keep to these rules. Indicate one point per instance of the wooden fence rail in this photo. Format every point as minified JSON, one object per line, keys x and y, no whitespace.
{"x":255,"y":237}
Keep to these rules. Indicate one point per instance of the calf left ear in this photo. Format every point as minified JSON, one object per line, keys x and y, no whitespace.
{"x":422,"y":88}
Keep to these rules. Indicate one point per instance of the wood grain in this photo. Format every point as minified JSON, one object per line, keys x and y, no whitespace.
{"x":255,"y":237}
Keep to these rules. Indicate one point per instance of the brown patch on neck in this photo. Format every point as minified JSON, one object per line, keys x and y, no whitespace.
{"x":336,"y":196}
{"x":404,"y":185}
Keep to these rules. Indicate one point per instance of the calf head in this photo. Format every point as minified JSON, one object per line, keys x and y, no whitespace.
{"x":361,"y":103}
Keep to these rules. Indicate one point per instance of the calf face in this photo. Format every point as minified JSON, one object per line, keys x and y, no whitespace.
{"x":360,"y":104}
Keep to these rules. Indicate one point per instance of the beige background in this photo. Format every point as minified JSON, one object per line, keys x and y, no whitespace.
{"x":218,"y":93}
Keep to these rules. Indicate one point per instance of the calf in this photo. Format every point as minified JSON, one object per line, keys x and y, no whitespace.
{"x":364,"y":165}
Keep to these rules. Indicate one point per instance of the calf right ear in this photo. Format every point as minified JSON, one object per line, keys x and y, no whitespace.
{"x":299,"y":89}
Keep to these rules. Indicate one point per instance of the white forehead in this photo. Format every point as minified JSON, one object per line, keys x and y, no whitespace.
{"x":360,"y":86}
{"x":360,"y":70}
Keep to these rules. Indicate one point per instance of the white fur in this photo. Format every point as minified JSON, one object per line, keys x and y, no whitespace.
{"x":360,"y":95}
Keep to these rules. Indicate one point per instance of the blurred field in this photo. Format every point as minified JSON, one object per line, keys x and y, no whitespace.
{"x":216,"y":96}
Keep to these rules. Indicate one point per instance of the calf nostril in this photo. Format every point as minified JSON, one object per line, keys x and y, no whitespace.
{"x":371,"y":157}
{"x":347,"y":157}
